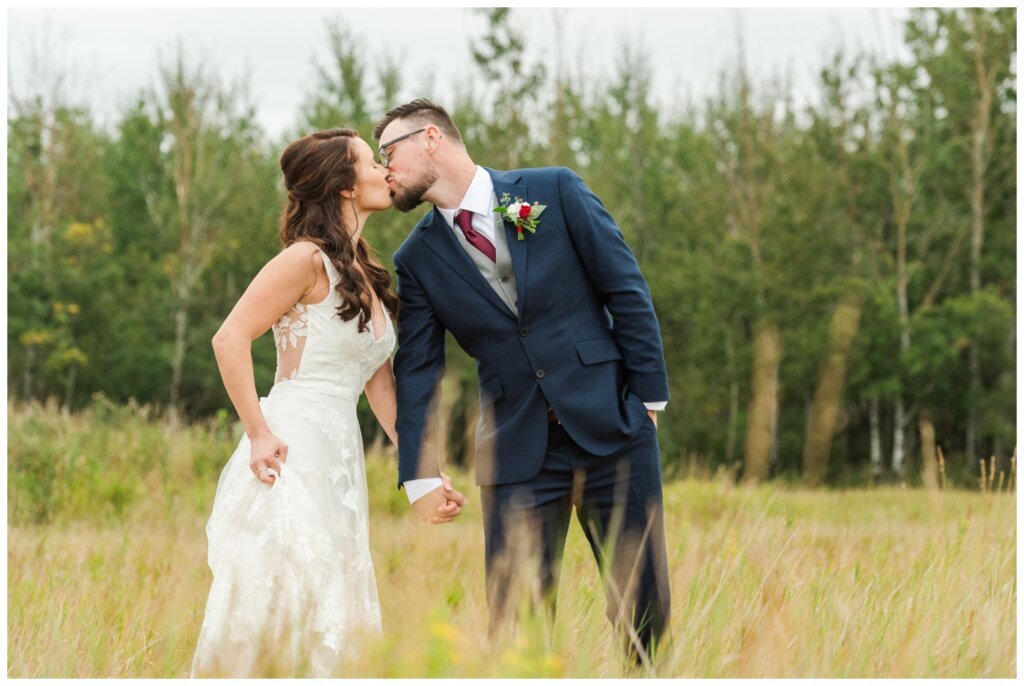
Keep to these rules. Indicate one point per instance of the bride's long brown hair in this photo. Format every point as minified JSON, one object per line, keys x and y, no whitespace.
{"x":317,"y":168}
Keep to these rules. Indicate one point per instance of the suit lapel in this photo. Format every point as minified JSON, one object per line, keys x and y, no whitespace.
{"x":506,"y":183}
{"x":438,"y":235}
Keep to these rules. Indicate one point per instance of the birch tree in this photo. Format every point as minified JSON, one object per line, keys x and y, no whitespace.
{"x":968,"y":57}
{"x":208,"y":152}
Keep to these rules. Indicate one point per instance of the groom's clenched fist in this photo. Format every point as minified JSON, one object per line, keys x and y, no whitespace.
{"x":441,"y":505}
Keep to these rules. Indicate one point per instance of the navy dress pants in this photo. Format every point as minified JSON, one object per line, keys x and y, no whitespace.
{"x":618,"y":502}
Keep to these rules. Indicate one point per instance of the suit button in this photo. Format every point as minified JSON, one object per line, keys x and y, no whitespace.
{"x":524,"y":332}
{"x":540,"y":373}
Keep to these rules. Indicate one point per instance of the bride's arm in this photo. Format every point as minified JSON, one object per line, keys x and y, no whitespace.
{"x":380,"y":391}
{"x":280,"y":284}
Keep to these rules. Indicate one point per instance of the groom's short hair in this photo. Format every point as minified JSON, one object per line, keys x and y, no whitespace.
{"x":421,"y":111}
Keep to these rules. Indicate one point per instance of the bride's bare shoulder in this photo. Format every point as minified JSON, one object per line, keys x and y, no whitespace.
{"x":299,"y":249}
{"x":305,"y":258}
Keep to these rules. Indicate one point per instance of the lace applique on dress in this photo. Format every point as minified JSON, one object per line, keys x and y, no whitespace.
{"x":288,"y":329}
{"x":333,"y":424}
{"x":290,"y":333}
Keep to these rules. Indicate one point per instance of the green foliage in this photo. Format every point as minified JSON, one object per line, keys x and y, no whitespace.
{"x":511,"y":95}
{"x":936,"y":364}
{"x":739,"y":209}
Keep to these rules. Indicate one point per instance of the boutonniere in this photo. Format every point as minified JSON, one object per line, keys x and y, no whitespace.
{"x":521,"y":214}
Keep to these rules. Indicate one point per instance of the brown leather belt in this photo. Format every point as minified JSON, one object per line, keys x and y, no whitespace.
{"x":552,"y":418}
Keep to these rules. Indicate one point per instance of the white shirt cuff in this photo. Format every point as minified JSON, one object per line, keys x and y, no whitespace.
{"x":657,"y":407}
{"x":417,"y":488}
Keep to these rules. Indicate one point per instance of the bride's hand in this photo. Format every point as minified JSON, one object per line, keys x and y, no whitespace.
{"x":268,"y":452}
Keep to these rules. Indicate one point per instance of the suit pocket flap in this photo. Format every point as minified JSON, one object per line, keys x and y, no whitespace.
{"x":490,"y":391}
{"x":598,"y":350}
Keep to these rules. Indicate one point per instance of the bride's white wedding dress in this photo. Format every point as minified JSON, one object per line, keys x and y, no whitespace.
{"x":293,"y":581}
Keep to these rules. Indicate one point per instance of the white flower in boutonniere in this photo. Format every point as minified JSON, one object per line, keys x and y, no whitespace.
{"x":520,"y":214}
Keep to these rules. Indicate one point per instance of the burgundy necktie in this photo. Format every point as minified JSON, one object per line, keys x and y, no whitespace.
{"x":464,"y":220}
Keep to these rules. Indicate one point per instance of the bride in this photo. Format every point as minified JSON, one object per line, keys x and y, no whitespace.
{"x":293,"y":581}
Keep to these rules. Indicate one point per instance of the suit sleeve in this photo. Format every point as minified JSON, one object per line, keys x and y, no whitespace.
{"x":419,"y":365}
{"x":615,"y":275}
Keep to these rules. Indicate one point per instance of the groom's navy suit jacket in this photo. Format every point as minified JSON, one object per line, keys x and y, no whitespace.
{"x":585,"y":343}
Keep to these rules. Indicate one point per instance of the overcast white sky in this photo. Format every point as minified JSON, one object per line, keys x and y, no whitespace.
{"x":114,"y":52}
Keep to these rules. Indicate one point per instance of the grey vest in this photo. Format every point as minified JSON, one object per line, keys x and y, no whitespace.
{"x":499,"y":274}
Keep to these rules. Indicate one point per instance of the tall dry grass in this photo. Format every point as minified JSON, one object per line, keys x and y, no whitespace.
{"x":107,"y":573}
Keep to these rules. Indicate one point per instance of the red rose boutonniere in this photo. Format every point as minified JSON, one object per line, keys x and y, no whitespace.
{"x":521,"y":214}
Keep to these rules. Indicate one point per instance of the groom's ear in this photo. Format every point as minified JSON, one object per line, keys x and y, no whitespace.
{"x":433,"y":134}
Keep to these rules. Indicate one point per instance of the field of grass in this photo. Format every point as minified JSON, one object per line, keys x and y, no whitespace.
{"x":107,"y":574}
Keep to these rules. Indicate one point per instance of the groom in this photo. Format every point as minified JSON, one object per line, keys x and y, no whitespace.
{"x":570,"y":362}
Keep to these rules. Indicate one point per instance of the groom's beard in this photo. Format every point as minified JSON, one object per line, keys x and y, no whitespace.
{"x":406,"y":199}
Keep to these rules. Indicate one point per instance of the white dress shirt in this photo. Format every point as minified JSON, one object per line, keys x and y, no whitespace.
{"x":481,"y":201}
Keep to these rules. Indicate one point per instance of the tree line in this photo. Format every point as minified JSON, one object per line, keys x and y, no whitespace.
{"x":835,"y":282}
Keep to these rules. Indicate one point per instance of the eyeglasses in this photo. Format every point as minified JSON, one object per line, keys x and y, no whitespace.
{"x":385,"y":157}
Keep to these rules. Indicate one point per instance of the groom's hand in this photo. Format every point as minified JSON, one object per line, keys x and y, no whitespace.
{"x":654,"y":417}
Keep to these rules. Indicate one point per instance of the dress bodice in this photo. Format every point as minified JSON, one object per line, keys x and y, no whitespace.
{"x":318,"y":351}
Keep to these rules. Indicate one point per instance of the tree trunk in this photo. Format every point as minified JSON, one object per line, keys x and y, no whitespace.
{"x":981,"y":149}
{"x":929,"y":462}
{"x":977,"y":238}
{"x":639,"y":219}
{"x":902,"y":186}
{"x":828,"y":394}
{"x":876,"y":440}
{"x":773,"y":455}
{"x":446,"y":400}
{"x":178,"y":363}
{"x":763,"y":413}
{"x":471,"y":414}
{"x":458,"y":398}
{"x":904,"y":314}
{"x":897,"y":439}
{"x":47,"y":190}
{"x":973,"y":395}
{"x":734,"y":399}
{"x":69,"y":391}
{"x":30,"y":360}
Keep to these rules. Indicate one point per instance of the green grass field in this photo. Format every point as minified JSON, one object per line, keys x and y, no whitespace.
{"x":107,"y":574}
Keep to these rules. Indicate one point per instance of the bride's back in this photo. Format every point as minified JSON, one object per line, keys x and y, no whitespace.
{"x":318,"y":351}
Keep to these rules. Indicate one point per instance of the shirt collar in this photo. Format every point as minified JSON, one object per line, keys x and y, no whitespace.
{"x":479,"y":197}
